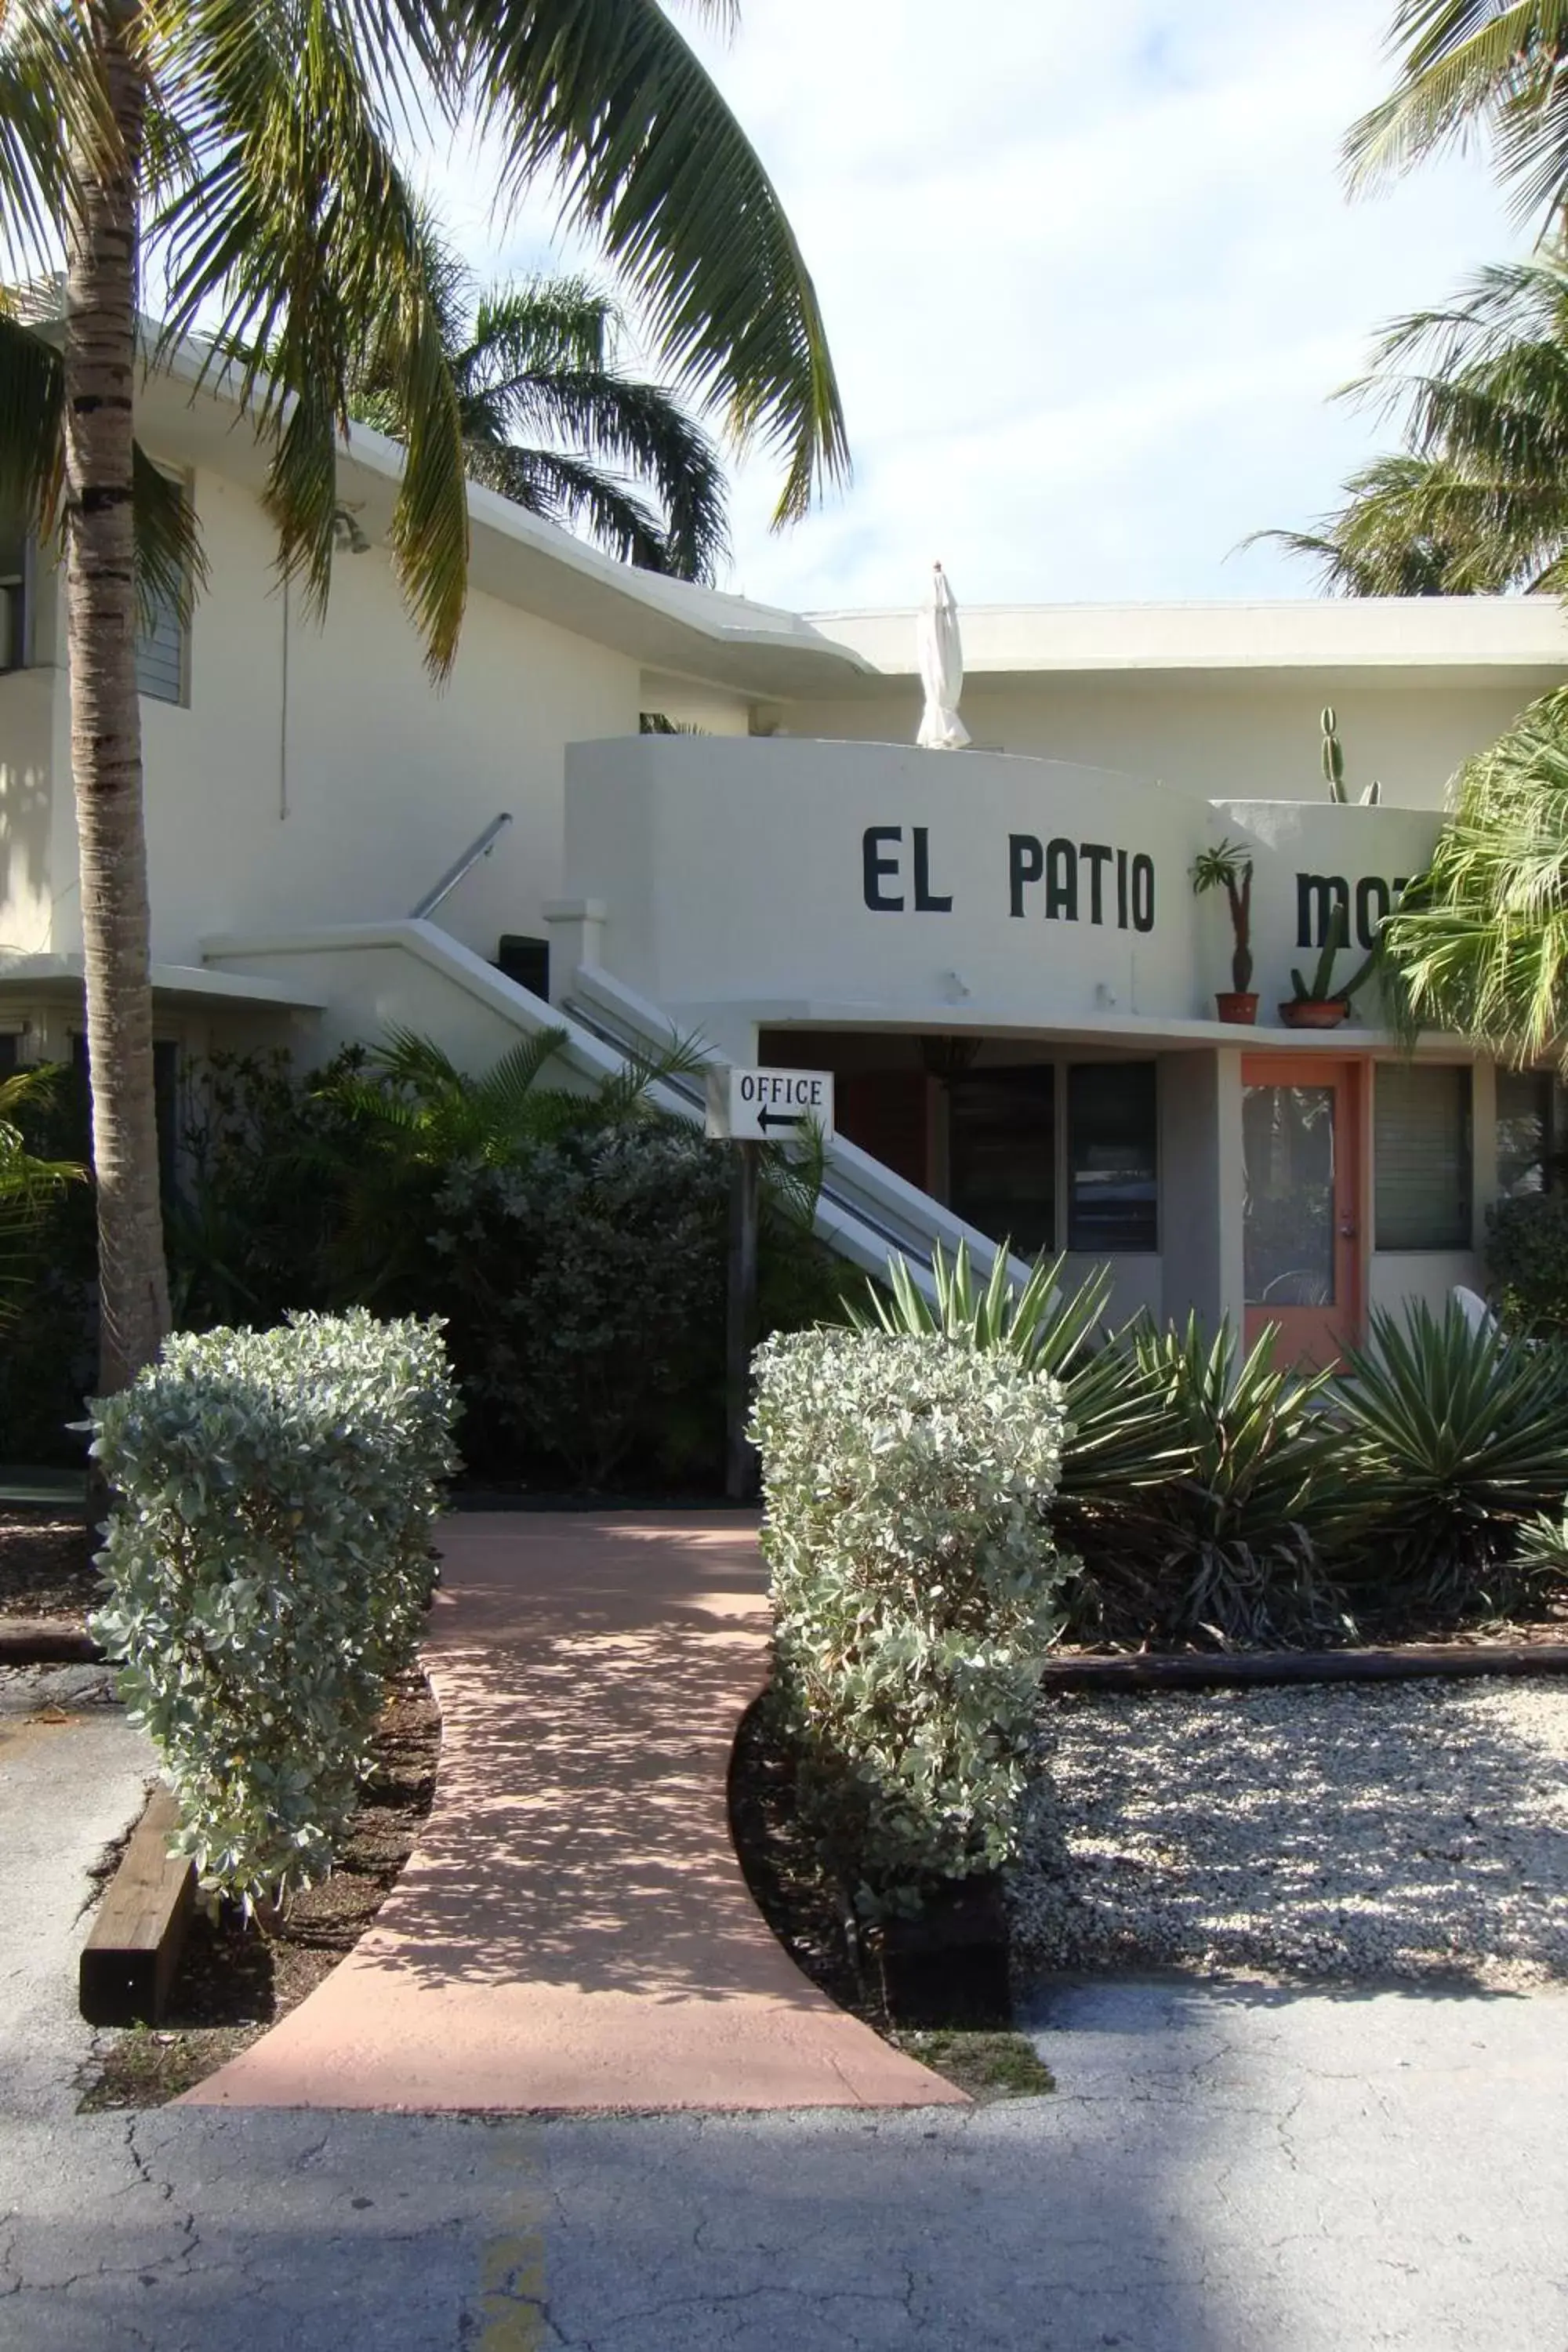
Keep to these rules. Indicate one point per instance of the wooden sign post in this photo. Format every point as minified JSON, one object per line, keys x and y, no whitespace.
{"x":746,"y":1109}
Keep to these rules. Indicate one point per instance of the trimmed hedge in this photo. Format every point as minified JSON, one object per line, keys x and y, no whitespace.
{"x":914,"y":1590}
{"x":269,"y":1565}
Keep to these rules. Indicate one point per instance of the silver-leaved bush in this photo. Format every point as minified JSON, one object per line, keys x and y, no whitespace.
{"x":268,"y":1563}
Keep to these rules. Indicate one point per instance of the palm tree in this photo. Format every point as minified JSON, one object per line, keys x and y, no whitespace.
{"x":243,"y":154}
{"x":550,"y":419}
{"x":1481,"y":941}
{"x":1477,"y":502}
{"x":1501,"y":66}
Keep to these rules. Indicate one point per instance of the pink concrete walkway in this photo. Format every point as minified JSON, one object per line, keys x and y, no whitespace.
{"x":574,"y":1931}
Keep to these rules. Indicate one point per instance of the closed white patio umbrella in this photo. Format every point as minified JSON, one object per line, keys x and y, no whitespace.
{"x":940,"y":654}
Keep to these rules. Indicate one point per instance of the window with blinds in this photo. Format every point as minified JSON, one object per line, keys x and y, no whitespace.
{"x":162,"y":648}
{"x":1421,"y":1164}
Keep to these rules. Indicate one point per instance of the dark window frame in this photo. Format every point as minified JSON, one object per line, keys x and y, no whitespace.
{"x":1080,"y":1240}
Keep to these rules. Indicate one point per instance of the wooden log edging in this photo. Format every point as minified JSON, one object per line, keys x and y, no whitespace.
{"x":129,"y":1961}
{"x":47,"y":1641}
{"x":1221,"y":1670}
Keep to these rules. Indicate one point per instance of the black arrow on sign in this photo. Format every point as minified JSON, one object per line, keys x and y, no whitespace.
{"x":766,"y":1119}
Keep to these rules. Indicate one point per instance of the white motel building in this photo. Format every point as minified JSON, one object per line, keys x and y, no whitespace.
{"x":997,"y":952}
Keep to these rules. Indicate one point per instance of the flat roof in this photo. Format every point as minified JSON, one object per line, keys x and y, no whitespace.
{"x":189,"y":413}
{"x":1462,"y":635}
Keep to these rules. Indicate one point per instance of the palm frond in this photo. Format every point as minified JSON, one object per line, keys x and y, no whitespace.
{"x":530,"y":328}
{"x":1482,"y":943}
{"x":296,"y":228}
{"x":53,"y":108}
{"x":170,"y":566}
{"x":607,"y":98}
{"x":1469,"y":65}
{"x":637,"y":427}
{"x":571,"y":492}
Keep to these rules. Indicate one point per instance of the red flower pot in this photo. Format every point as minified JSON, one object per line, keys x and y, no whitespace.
{"x":1315,"y":1012}
{"x":1237,"y":1005}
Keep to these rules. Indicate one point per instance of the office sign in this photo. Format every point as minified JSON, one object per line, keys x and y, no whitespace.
{"x":761,"y":1105}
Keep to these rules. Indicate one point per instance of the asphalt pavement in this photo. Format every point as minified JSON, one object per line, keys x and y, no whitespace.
{"x":1222,"y":2169}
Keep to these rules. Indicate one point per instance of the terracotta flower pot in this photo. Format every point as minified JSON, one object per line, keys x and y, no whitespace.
{"x":1238,"y":1005}
{"x":1315,"y":1012}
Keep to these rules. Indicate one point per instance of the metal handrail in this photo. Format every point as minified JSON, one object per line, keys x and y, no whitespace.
{"x":454,"y":874}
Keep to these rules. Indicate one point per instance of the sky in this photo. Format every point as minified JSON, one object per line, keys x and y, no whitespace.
{"x":1089,"y":277}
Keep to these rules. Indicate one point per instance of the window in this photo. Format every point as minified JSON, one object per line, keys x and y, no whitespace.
{"x":1112,"y":1157}
{"x":1002,"y":1154}
{"x":16,"y":580}
{"x":162,"y":644}
{"x":1421,"y":1141}
{"x":1532,"y":1132}
{"x":166,"y":1103}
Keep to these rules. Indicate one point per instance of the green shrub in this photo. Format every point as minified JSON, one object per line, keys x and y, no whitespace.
{"x":1540,"y":1560}
{"x":1121,"y":1433}
{"x":914,"y":1584}
{"x":1187,"y":1483}
{"x":1221,"y":1546}
{"x":1454,"y":1436}
{"x":574,"y":1243}
{"x":1527,"y":1263}
{"x":269,"y":1561}
{"x":584,"y":1282}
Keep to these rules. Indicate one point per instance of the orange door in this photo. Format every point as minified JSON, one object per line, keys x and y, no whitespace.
{"x":1301,"y":1128}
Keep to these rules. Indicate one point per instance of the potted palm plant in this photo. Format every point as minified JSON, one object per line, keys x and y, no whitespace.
{"x":1226,"y":867}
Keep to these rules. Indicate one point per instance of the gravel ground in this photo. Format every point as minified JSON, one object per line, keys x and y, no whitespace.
{"x":1391,"y":1830}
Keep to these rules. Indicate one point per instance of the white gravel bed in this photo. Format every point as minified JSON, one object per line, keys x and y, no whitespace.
{"x":1326,"y":1829}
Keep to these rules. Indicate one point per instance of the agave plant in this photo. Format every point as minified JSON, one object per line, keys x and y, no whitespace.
{"x":1119,"y":1435}
{"x":1226,"y":1549}
{"x":1455,"y":1437}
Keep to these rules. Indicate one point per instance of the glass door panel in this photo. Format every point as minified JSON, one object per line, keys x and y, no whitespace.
{"x":1302,"y":1259}
{"x":1287,"y":1135}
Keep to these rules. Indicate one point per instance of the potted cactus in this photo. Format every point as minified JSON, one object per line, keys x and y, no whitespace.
{"x":1321,"y":1005}
{"x":1333,"y":758}
{"x":1226,"y":867}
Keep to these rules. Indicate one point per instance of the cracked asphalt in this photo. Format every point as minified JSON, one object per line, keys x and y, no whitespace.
{"x":1225,"y":2166}
{"x":1224,"y":2169}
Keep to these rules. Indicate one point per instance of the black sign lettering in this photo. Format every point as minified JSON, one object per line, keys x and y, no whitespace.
{"x":1097,"y":856}
{"x":1026,"y":863}
{"x":1061,"y":882}
{"x":1142,"y":894}
{"x":1318,"y":898}
{"x":1121,"y":889}
{"x":925,"y":902}
{"x":1372,"y":901}
{"x":875,"y":866}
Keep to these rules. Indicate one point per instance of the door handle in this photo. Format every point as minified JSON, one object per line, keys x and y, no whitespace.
{"x":1347,"y":1231}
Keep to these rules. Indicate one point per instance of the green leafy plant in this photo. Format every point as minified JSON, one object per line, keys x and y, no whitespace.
{"x":914,"y":1583}
{"x":1454,"y":1436}
{"x":1527,"y":1263}
{"x":30,"y":1184}
{"x":1226,"y":867}
{"x":1321,"y":989}
{"x":1223,"y":1548}
{"x":1540,"y":1559}
{"x":1120,"y":1432}
{"x":269,"y":1562}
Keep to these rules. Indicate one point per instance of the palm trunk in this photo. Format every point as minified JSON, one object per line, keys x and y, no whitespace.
{"x":105,"y":720}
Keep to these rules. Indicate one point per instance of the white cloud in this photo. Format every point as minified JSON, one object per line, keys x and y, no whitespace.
{"x":1089,"y":276}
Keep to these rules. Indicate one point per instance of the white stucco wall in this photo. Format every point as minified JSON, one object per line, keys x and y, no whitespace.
{"x":352,"y":805}
{"x":28,"y":767}
{"x":1232,"y":735}
{"x":771,"y":873}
